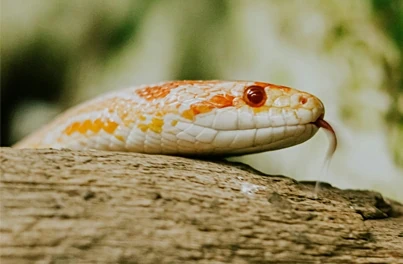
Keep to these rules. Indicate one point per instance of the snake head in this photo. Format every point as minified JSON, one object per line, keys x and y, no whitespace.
{"x":284,"y":106}
{"x":289,"y":115}
{"x":248,"y":117}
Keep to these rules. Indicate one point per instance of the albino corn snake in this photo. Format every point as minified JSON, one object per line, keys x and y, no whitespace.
{"x":188,"y":118}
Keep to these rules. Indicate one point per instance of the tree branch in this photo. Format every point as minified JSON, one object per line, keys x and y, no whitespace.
{"x":93,"y":206}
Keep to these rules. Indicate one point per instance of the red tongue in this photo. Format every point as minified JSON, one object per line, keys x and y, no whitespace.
{"x":331,"y":134}
{"x":321,"y":123}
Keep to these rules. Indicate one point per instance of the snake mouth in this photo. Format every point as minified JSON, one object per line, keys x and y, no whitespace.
{"x":322,"y":123}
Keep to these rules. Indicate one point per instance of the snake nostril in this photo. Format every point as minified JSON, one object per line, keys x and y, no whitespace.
{"x":303,"y":100}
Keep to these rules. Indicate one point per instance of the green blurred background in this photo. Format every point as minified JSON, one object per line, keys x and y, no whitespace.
{"x":56,"y":53}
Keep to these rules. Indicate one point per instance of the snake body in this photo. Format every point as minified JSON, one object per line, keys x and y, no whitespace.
{"x":187,"y":118}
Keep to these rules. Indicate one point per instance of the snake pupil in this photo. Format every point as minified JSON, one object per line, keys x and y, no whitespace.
{"x":255,"y":96}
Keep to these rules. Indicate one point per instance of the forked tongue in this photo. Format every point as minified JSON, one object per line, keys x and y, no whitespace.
{"x":321,"y":123}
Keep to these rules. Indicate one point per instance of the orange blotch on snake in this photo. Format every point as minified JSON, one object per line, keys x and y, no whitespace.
{"x":153,"y":92}
{"x":273,"y":86}
{"x":188,"y":114}
{"x":280,"y":87}
{"x":175,"y":84}
{"x":284,"y":88}
{"x":262,"y":84}
{"x":221,"y":101}
{"x":217,"y":101}
{"x":161,"y":91}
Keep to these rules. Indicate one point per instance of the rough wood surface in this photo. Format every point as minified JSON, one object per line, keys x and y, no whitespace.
{"x":104,"y":207}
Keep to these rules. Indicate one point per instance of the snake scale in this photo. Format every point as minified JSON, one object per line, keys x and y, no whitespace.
{"x":188,"y":118}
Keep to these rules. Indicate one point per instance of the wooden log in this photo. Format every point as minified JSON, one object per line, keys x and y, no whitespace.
{"x":62,"y":206}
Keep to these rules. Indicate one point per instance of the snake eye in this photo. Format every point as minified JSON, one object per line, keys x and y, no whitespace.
{"x":255,"y":96}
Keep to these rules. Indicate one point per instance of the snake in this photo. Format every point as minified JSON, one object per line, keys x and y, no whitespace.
{"x":188,"y":118}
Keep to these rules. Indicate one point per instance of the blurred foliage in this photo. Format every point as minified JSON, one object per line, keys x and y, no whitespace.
{"x":390,"y":13}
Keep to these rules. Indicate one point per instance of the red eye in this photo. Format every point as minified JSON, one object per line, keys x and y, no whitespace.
{"x":255,"y":96}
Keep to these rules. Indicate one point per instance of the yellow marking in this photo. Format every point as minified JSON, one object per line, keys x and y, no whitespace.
{"x":128,"y":122}
{"x":72,"y":128}
{"x":264,"y":108}
{"x":121,"y":138}
{"x":96,"y":126}
{"x":188,"y":114}
{"x":202,"y":108}
{"x":110,"y":127}
{"x":76,"y":126}
{"x":159,"y":114}
{"x":174,"y":122}
{"x":123,"y":115}
{"x":142,"y":118}
{"x":68,"y":130}
{"x":143,"y":127}
{"x":156,"y":125}
{"x":85,"y":126}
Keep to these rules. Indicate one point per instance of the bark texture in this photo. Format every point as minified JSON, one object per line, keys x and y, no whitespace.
{"x":61,"y":206}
